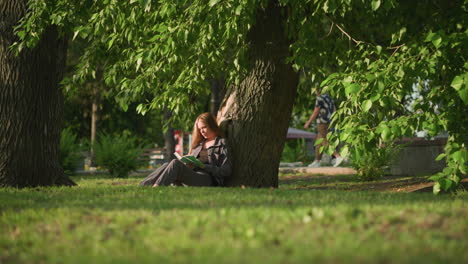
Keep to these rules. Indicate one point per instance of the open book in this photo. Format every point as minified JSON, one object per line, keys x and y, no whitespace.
{"x":189,"y":159}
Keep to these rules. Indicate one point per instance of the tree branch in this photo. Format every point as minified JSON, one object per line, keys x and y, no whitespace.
{"x":395,"y":48}
{"x":344,"y":32}
{"x":349,"y":36}
{"x":329,"y":32}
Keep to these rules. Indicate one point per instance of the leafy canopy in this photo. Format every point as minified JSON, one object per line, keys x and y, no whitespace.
{"x":396,"y":67}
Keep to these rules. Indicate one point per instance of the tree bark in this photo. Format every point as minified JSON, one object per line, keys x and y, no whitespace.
{"x":260,"y":108}
{"x":94,"y":119}
{"x":169,"y":140}
{"x":217,"y":93}
{"x":30,"y":105}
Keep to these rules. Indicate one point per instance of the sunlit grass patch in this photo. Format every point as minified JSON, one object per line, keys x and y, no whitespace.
{"x":109,"y":220}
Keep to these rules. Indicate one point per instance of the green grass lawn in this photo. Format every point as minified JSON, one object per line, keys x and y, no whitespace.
{"x":107,"y":220}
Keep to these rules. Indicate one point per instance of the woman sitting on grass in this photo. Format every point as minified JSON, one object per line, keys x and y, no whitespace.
{"x":209,"y":148}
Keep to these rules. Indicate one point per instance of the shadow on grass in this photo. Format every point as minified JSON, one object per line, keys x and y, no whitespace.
{"x":350,"y":182}
{"x":124,"y":194}
{"x":316,"y":179}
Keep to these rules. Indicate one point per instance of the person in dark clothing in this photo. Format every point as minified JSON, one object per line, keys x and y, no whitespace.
{"x":209,"y":147}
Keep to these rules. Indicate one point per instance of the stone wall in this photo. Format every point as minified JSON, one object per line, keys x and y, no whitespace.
{"x":417,"y":157}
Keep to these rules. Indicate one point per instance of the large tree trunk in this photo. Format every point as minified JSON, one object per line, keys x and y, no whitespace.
{"x":260,"y":108}
{"x":30,"y":105}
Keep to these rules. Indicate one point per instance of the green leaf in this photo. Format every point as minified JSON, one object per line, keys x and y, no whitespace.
{"x":446,"y":184}
{"x":325,"y":7}
{"x":154,"y":38}
{"x":436,"y":188}
{"x":331,"y":76}
{"x":367,"y":105}
{"x":457,"y":82}
{"x":436,"y":177}
{"x":375,"y":97}
{"x":460,"y":156}
{"x":400,"y":73}
{"x":139,"y":60}
{"x":143,"y":2}
{"x":21,"y":34}
{"x":375,"y":5}
{"x":463,"y":169}
{"x":437,"y":40}
{"x":139,"y":108}
{"x":370,"y":77}
{"x":380,"y":86}
{"x":344,"y":151}
{"x":464,"y":95}
{"x":352,"y":88}
{"x":75,"y":34}
{"x":430,"y":36}
{"x":124,"y":106}
{"x":161,"y":28}
{"x":109,"y":45}
{"x":344,"y":136}
{"x":386,"y":133}
{"x":213,"y":2}
{"x":402,"y":32}
{"x":441,"y":156}
{"x":379,"y":49}
{"x":318,"y":141}
{"x":238,"y":10}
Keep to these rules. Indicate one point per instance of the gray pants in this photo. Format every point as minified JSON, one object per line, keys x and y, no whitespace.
{"x":176,"y":172}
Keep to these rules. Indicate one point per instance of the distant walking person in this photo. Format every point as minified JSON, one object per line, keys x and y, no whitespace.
{"x":324,"y":108}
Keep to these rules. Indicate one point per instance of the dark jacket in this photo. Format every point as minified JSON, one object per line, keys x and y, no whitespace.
{"x":219,"y":165}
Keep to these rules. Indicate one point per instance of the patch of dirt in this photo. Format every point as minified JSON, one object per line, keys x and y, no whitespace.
{"x":351,"y":183}
{"x":319,"y":170}
{"x":123,"y":183}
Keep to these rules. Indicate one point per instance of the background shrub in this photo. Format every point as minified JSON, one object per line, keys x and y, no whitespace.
{"x":296,"y":150}
{"x":119,"y":154}
{"x":70,"y":151}
{"x":372,"y":165}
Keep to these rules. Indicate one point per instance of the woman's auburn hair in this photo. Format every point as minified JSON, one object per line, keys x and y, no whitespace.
{"x":210,"y":121}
